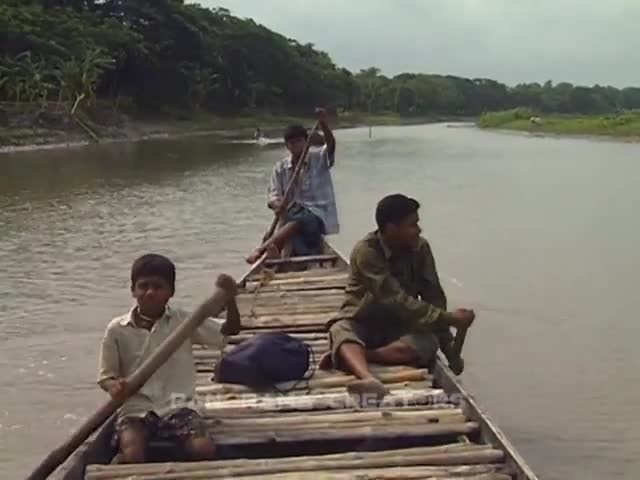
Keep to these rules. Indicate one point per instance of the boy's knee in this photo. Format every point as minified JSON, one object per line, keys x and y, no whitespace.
{"x":133,"y":452}
{"x":200,"y":448}
{"x":133,"y":444}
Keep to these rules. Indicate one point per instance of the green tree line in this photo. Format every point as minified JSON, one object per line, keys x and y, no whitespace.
{"x":165,"y":55}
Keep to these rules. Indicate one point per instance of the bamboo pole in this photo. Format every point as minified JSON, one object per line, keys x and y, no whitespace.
{"x":292,"y":296}
{"x":281,"y":420}
{"x":415,"y":375}
{"x":312,"y":277}
{"x":368,"y":432}
{"x":346,"y":419}
{"x":312,"y":414}
{"x":204,"y":354}
{"x":284,"y":463}
{"x":301,"y":393}
{"x":405,"y":473}
{"x":333,"y":401}
{"x":289,"y":317}
{"x":449,"y":463}
{"x":291,"y":321}
{"x":325,"y":257}
{"x":305,"y":337}
{"x":285,"y":282}
{"x":302,"y":287}
{"x":473,"y":472}
{"x":316,"y":272}
{"x":309,"y":328}
{"x":327,"y":306}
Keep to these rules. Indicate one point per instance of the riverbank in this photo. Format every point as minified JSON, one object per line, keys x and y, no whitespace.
{"x":624,"y":125}
{"x":113,"y":128}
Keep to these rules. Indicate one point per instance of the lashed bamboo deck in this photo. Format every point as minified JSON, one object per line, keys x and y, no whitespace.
{"x":316,"y":430}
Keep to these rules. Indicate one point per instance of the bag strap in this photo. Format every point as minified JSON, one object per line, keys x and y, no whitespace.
{"x":307,"y":376}
{"x":267,"y":276}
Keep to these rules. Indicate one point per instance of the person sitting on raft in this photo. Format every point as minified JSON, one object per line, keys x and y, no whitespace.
{"x":394,"y":311}
{"x":311,"y":211}
{"x":164,"y":408}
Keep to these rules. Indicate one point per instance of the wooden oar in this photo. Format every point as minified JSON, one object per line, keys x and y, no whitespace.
{"x":292,"y":182}
{"x":456,"y":364}
{"x":209,"y":308}
{"x":453,"y":353}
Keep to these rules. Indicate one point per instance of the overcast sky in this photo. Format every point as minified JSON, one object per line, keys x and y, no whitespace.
{"x":581,"y":41}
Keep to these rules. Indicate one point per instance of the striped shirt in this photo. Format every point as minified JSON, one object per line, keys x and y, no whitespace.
{"x":314,"y":190}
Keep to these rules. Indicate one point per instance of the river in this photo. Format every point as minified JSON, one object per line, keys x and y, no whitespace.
{"x":539,"y":235}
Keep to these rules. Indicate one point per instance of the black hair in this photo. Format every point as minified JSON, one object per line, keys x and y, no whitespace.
{"x":295,"y":131}
{"x":394,"y":209}
{"x":153,"y":264}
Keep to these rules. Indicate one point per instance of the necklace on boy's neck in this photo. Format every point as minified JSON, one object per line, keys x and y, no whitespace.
{"x":144,"y":321}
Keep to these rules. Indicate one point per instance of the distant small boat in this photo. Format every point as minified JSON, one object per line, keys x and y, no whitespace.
{"x":267,"y":141}
{"x":262,"y":141}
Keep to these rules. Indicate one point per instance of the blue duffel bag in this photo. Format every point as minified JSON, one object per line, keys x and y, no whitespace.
{"x":265,"y":360}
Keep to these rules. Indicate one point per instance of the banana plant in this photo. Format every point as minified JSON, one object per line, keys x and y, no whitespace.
{"x":79,"y":78}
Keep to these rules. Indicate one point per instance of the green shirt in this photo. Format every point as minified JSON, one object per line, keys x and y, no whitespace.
{"x":404,"y":285}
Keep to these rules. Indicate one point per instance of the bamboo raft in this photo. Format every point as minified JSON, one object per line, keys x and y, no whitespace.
{"x":428,"y":427}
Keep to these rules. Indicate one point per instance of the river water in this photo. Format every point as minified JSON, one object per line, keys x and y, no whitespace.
{"x":539,"y":235}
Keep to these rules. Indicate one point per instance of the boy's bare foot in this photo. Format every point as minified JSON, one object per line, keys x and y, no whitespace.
{"x":326,"y":362}
{"x":368,"y":389}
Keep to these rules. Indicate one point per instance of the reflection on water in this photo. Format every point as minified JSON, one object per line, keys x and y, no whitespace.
{"x":539,"y":235}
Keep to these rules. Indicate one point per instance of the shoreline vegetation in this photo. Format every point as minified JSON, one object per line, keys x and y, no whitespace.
{"x":238,"y":127}
{"x":78,"y":71}
{"x":623,"y":125}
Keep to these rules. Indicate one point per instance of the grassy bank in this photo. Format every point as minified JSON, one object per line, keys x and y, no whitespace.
{"x":58,"y":129}
{"x":624,"y":125}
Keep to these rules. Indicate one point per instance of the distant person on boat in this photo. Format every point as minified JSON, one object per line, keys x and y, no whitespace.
{"x":317,"y":140}
{"x":164,"y":407}
{"x":258,"y":134}
{"x":311,"y":213}
{"x":395,"y":310}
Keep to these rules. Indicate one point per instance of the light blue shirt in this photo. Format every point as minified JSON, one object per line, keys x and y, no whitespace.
{"x":315,"y":187}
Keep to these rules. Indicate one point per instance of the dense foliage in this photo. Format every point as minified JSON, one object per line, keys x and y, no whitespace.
{"x":168,"y":55}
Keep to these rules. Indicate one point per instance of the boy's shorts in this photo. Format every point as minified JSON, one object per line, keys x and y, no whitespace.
{"x":372,"y":335}
{"x":311,"y":229}
{"x":176,"y":426}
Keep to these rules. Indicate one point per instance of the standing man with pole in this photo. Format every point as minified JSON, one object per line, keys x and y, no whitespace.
{"x":307,"y":210}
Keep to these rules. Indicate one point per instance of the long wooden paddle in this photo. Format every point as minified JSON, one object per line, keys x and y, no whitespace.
{"x":209,"y":308}
{"x":294,"y":178}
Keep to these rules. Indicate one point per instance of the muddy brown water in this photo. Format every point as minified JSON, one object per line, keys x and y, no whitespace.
{"x":539,"y":235}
